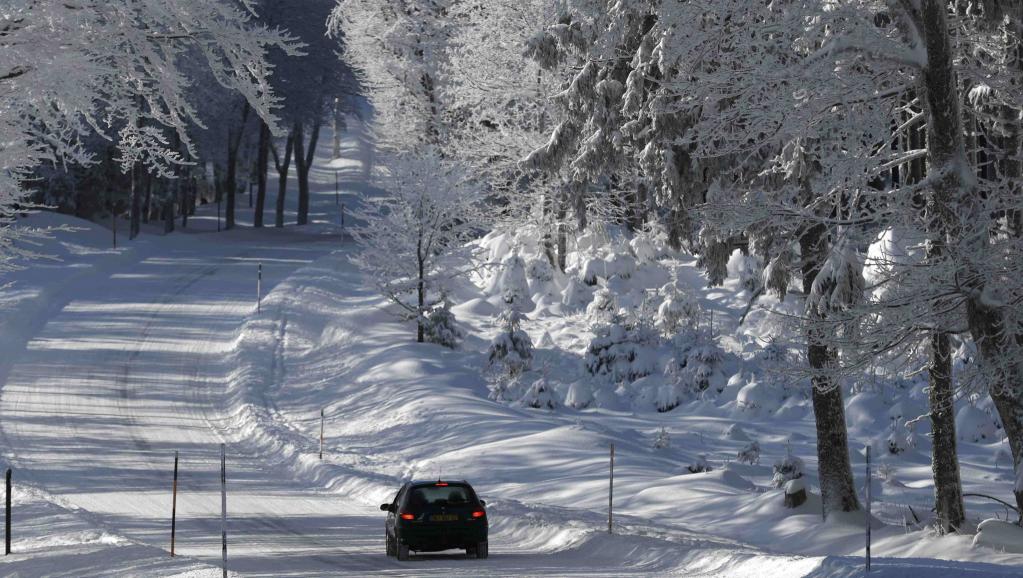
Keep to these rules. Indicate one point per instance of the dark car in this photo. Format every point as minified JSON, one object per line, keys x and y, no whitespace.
{"x":435,"y":516}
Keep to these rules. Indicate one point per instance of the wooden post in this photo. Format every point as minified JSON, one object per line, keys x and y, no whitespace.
{"x":223,"y":507}
{"x":611,"y":491}
{"x":174,"y":503}
{"x":250,"y":194}
{"x":337,"y":189}
{"x":7,"y":517}
{"x":321,"y":433}
{"x":867,"y":510}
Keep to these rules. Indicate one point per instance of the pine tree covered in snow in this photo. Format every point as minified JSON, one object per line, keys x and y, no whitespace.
{"x":511,"y":347}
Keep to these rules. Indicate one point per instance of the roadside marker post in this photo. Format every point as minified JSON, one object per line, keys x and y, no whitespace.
{"x":611,"y":491}
{"x":223,"y":507}
{"x":7,"y":517}
{"x":259,"y":288}
{"x":867,"y":512}
{"x":321,"y":433}
{"x":174,"y":503}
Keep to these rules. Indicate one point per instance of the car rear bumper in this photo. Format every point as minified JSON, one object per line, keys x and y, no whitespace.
{"x":436,"y":537}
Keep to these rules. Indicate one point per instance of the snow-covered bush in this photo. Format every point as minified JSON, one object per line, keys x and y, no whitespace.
{"x":749,"y":454}
{"x":540,"y":275}
{"x":699,"y":465}
{"x":513,"y":284}
{"x":757,"y":397}
{"x":440,"y":327}
{"x":592,"y":269}
{"x":512,"y":347}
{"x":973,"y":424}
{"x":678,"y":310}
{"x":788,"y":468}
{"x":736,"y":433}
{"x":580,"y":395}
{"x":576,"y":294}
{"x":540,"y":395}
{"x":623,"y":352}
{"x":748,"y":269}
{"x":662,"y":440}
{"x":603,"y":304}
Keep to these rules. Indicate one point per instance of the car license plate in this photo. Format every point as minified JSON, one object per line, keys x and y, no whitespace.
{"x":444,"y":518}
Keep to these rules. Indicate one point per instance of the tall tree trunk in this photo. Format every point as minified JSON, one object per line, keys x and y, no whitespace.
{"x":262,"y":163}
{"x":421,"y":292}
{"x":147,"y":203}
{"x":946,"y":155}
{"x":948,"y":489}
{"x":304,"y":157}
{"x":282,"y":166}
{"x":838,"y":491}
{"x":234,"y":141}
{"x":135,"y":207}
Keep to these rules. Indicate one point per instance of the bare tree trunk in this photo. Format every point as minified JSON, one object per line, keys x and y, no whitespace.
{"x":262,"y":163}
{"x":303,"y":163}
{"x":147,"y":203}
{"x":282,"y":166}
{"x":421,"y":293}
{"x":234,"y":141}
{"x":948,"y":489}
{"x":135,"y":208}
{"x":838,"y":491}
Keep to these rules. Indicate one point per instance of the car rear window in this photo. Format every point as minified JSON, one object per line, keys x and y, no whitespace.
{"x":439,"y":496}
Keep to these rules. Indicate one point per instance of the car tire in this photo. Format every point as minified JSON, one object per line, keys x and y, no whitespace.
{"x":403,"y":553}
{"x":391,"y":550}
{"x":481,"y":551}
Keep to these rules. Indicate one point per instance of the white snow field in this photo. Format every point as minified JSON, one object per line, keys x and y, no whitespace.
{"x":112,"y":360}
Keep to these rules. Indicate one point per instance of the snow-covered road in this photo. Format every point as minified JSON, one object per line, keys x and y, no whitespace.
{"x":132,"y":370}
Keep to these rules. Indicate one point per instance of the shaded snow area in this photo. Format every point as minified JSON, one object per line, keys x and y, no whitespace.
{"x":113,"y":359}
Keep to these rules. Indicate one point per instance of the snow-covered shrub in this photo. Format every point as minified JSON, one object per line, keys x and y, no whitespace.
{"x":788,"y":468}
{"x":580,"y":395}
{"x":755,"y":397}
{"x":623,"y":352}
{"x":662,"y":440}
{"x":540,"y":395}
{"x":508,"y":388}
{"x":440,"y":327}
{"x":749,"y":454}
{"x":973,"y":424}
{"x":736,"y":433}
{"x":748,"y":269}
{"x":593,"y":269}
{"x":576,"y":294}
{"x":540,"y":275}
{"x":699,"y":465}
{"x":702,"y":365}
{"x":513,"y":285}
{"x":512,"y":347}
{"x":643,"y":248}
{"x":678,"y":310}
{"x":603,"y":304}
{"x":621,"y":265}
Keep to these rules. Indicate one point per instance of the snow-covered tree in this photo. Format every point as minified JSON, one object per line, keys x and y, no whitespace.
{"x":409,"y":236}
{"x":71,"y":69}
{"x":511,"y":347}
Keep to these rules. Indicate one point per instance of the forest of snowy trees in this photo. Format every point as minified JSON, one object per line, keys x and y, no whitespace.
{"x":801,"y":134}
{"x":795,"y":132}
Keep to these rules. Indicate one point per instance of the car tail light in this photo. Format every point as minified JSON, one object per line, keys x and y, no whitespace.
{"x":408,"y":516}
{"x":479,"y":514}
{"x":441,"y":484}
